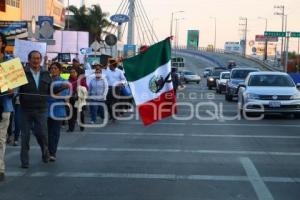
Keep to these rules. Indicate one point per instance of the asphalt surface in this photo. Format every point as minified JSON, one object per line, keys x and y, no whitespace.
{"x":193,"y":159}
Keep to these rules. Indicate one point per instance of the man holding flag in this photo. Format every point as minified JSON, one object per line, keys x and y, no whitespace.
{"x":149,"y":77}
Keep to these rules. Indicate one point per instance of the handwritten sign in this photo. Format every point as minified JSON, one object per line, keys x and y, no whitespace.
{"x":23,"y":48}
{"x":12,"y":75}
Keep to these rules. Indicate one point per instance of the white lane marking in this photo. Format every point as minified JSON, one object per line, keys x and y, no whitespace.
{"x":249,"y":125}
{"x":214,"y":124}
{"x":192,"y":135}
{"x":195,"y":151}
{"x":40,"y":174}
{"x":257,"y":182}
{"x":150,"y":176}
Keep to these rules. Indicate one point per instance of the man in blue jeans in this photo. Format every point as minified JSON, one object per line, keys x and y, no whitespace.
{"x":98,"y":89}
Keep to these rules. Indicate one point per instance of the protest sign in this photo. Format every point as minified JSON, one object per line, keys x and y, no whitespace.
{"x":12,"y":75}
{"x":23,"y":48}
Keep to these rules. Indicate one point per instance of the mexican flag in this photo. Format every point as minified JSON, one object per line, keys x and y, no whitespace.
{"x":149,"y":77}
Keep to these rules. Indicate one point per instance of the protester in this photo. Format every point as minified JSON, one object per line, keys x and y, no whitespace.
{"x":6,"y":108}
{"x":77,"y":67}
{"x":116,"y":80}
{"x":34,"y":107}
{"x":175,"y":80}
{"x":98,"y":89}
{"x":56,"y":112}
{"x":74,"y":82}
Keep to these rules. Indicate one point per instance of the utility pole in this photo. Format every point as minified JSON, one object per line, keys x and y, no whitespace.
{"x":244,"y":25}
{"x":131,"y":25}
{"x":68,"y":15}
{"x":287,"y":51}
{"x":266,"y":38}
{"x":282,"y":14}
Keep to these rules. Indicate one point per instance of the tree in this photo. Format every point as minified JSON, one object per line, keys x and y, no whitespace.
{"x":92,"y":20}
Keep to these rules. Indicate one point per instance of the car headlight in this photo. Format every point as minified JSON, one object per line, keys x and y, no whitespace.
{"x":252,"y":96}
{"x":211,"y":79}
{"x":296,"y":97}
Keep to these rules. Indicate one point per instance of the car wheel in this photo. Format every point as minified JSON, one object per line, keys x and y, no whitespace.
{"x":186,"y":82}
{"x":209,"y":87}
{"x":228,"y":97}
{"x":198,"y":82}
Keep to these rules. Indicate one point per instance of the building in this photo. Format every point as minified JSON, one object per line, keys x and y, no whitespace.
{"x":55,"y":8}
{"x":11,"y":10}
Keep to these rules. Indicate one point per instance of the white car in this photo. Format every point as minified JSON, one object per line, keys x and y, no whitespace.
{"x":189,"y":76}
{"x":269,"y":92}
{"x":221,"y":83}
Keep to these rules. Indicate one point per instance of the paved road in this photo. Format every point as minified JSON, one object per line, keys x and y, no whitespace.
{"x":219,"y":159}
{"x":223,"y":59}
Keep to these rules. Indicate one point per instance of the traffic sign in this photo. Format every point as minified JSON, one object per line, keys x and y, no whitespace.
{"x":295,"y":34}
{"x":46,"y":30}
{"x":111,"y":40}
{"x":275,"y":34}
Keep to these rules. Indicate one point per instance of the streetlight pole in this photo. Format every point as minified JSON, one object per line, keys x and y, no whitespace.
{"x":172,"y":19}
{"x":282,"y":13}
{"x":215,"y":39}
{"x":177,"y":34}
{"x":266,"y":22}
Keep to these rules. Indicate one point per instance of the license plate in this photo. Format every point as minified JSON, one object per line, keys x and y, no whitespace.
{"x":275,"y":104}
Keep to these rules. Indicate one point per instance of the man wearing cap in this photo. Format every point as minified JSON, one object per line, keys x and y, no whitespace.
{"x":116,"y":80}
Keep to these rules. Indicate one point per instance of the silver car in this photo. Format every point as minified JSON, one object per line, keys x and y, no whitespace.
{"x":221,"y":83}
{"x":189,"y":76}
{"x":269,"y":92}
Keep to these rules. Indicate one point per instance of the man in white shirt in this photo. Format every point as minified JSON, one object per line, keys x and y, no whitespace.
{"x":116,"y":80}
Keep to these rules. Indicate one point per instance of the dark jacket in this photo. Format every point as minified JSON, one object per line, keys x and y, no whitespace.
{"x":33,"y":98}
{"x":175,"y":80}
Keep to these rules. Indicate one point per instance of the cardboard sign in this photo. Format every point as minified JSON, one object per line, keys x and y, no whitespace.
{"x":12,"y":75}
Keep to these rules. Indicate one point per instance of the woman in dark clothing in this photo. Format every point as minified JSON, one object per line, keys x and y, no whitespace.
{"x":56,"y":112}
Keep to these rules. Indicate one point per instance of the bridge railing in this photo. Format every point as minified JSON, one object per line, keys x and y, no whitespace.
{"x":267,"y":65}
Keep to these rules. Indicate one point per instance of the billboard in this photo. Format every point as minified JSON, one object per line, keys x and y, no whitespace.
{"x":263,"y":38}
{"x":13,"y":30}
{"x":233,"y":47}
{"x":193,"y":39}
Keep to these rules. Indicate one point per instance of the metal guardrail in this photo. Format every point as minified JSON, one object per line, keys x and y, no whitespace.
{"x":222,"y":51}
